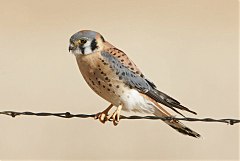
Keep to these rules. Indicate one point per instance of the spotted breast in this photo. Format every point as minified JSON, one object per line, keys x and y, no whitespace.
{"x":101,"y":77}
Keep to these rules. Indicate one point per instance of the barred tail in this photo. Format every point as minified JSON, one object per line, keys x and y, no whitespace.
{"x":177,"y":125}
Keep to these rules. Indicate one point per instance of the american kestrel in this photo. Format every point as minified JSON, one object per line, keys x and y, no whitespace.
{"x":113,"y":76}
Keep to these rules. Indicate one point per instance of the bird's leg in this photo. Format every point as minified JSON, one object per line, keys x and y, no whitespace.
{"x":103,"y":116}
{"x":115,"y":117}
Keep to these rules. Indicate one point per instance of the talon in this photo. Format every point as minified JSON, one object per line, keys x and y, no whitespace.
{"x":115,"y":117}
{"x":110,"y":119}
{"x":103,"y":116}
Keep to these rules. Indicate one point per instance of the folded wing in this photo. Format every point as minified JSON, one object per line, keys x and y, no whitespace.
{"x":140,"y":83}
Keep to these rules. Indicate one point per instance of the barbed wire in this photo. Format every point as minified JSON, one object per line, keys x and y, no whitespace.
{"x":69,"y":115}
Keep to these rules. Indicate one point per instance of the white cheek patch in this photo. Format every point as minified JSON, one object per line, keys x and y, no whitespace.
{"x":87,"y":47}
{"x":87,"y":50}
{"x":87,"y":44}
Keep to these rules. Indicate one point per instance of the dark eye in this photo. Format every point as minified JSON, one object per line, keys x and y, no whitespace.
{"x":83,"y":41}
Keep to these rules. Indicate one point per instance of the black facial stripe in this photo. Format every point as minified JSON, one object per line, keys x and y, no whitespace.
{"x":93,"y":44}
{"x":82,"y":49}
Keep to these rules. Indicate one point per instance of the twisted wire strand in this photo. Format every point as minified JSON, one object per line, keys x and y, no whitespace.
{"x":69,"y":115}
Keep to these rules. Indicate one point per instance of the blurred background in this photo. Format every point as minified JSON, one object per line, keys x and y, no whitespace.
{"x":188,"y":48}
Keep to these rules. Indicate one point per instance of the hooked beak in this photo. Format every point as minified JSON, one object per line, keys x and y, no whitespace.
{"x":71,"y":47}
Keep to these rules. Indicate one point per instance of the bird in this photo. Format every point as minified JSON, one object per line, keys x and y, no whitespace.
{"x":112,"y":75}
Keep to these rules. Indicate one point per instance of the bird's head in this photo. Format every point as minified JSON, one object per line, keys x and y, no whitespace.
{"x":86,"y":42}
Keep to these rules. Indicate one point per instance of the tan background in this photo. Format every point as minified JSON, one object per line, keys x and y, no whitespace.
{"x":189,"y":48}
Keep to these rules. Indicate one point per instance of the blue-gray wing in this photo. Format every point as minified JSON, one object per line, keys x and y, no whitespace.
{"x":129,"y":78}
{"x":141,"y":84}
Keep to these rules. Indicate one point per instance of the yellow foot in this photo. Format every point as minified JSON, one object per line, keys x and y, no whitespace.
{"x":103,"y":116}
{"x":115,"y":117}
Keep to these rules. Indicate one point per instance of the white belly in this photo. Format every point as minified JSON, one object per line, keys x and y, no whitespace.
{"x":132,"y":100}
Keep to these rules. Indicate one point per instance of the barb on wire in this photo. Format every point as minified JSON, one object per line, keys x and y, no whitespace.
{"x":69,"y":115}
